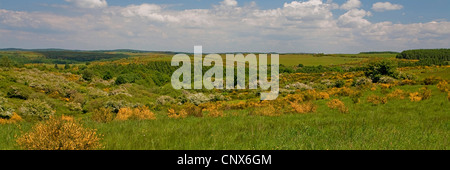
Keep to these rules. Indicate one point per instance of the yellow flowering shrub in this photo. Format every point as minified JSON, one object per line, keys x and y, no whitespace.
{"x":102,"y":115}
{"x":415,"y":97}
{"x":176,"y":115}
{"x":14,"y":119}
{"x":443,"y":86}
{"x":140,"y":113}
{"x":376,"y":100}
{"x":397,"y":93}
{"x":302,"y":108}
{"x":338,"y":105}
{"x":58,"y":133}
{"x":215,"y":113}
{"x":385,"y":86}
{"x":265,"y":111}
{"x":324,"y":95}
{"x":423,"y":94}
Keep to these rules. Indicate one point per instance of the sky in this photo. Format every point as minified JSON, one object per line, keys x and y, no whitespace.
{"x":283,"y":26}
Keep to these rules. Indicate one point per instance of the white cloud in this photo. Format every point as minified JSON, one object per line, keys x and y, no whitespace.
{"x":229,"y":3}
{"x":89,"y":3}
{"x":351,"y":4}
{"x":307,"y":11}
{"x":385,"y":6}
{"x":354,"y":18}
{"x":297,"y":26}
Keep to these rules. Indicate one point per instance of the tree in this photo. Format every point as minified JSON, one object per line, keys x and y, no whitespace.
{"x":87,"y":75}
{"x":67,"y":66}
{"x":375,"y":70}
{"x":6,"y":62}
{"x":107,"y":76}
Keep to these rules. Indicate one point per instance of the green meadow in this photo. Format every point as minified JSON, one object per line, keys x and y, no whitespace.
{"x":130,"y":104}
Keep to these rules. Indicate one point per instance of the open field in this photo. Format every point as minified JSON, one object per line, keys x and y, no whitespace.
{"x":130,"y":104}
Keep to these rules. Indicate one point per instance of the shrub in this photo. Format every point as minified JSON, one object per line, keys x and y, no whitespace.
{"x":107,"y":76}
{"x":397,"y":93}
{"x":87,"y":75}
{"x":19,"y":92}
{"x":102,"y":115}
{"x":5,"y":113}
{"x":443,"y":86}
{"x":197,"y":98}
{"x":140,"y":113}
{"x":386,"y":80}
{"x":163,"y":100}
{"x":307,"y":107}
{"x":415,"y":97}
{"x":376,"y":100}
{"x":432,"y":80}
{"x":338,"y":105}
{"x":299,"y":86}
{"x":115,"y":106}
{"x":327,"y":83}
{"x":72,"y":106}
{"x":10,"y":119}
{"x":362,"y":82}
{"x":324,"y":95}
{"x":265,"y":111}
{"x":59,"y":134}
{"x":356,"y":97}
{"x":215,"y":113}
{"x":121,"y":80}
{"x":344,"y":91}
{"x":193,"y":110}
{"x":425,"y":93}
{"x":174,"y":115}
{"x":36,"y":109}
{"x":375,"y":70}
{"x":339,"y":83}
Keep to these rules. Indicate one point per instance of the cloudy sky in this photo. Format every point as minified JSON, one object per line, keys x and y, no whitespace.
{"x":328,"y":26}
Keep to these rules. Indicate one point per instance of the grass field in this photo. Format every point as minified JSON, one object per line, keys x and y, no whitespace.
{"x":399,"y":124}
{"x":414,"y":117}
{"x":285,"y":59}
{"x":311,"y":60}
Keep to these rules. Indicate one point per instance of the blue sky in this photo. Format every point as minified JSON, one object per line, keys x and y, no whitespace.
{"x":337,"y":26}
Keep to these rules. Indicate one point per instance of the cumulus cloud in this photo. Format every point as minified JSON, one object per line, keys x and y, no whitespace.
{"x":351,"y":4}
{"x":89,"y":3}
{"x":229,"y":3}
{"x":354,"y":18}
{"x":297,"y":26}
{"x":385,"y":6}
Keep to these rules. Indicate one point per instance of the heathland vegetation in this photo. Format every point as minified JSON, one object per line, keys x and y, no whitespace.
{"x":57,"y":99}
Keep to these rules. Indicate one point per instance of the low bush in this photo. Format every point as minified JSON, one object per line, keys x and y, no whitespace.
{"x":376,"y":100}
{"x":10,"y":119}
{"x":103,"y":115}
{"x":302,"y":108}
{"x":337,"y":105}
{"x":176,"y":115}
{"x":443,"y":86}
{"x":140,"y":113}
{"x":264,"y":111}
{"x":59,"y":133}
{"x":36,"y":109}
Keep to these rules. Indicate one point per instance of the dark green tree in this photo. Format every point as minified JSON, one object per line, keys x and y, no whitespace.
{"x":376,"y":69}
{"x":6,"y":62}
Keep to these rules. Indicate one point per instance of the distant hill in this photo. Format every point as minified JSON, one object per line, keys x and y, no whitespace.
{"x":379,"y":52}
{"x":57,"y":56}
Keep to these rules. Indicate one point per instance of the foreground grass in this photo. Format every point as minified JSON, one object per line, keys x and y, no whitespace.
{"x":399,"y":124}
